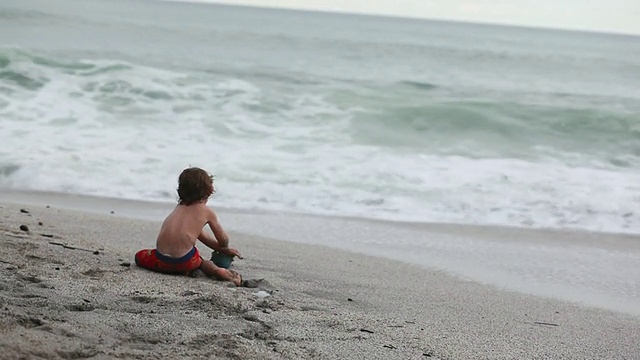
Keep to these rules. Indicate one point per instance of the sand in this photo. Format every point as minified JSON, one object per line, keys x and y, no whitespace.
{"x":87,"y":299}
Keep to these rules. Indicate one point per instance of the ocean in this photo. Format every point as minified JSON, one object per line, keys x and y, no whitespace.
{"x":317,"y":113}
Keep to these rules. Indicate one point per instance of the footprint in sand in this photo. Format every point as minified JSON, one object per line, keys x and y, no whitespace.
{"x":80,"y":307}
{"x":258,"y":283}
{"x":30,"y":278}
{"x":94,"y":273}
{"x":143,"y":299}
{"x":29,"y":322}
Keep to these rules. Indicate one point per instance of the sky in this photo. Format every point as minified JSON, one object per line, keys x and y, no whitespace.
{"x":619,"y":16}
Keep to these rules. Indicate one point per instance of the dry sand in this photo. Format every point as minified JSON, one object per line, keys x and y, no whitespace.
{"x":74,"y":303}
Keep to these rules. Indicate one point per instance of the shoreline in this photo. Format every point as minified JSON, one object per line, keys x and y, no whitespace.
{"x":83,"y":202}
{"x":580,"y":267}
{"x":324,"y":303}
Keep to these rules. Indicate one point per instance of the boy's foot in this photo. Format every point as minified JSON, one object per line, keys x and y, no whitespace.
{"x":236,"y":278}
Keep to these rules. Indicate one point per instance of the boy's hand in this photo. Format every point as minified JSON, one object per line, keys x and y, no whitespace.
{"x":231,"y":251}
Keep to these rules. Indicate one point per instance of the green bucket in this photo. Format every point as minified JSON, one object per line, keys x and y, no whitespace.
{"x":221,"y":260}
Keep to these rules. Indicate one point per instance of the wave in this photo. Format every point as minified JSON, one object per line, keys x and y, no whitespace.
{"x":419,"y":85}
{"x":10,"y":57}
{"x":496,"y":128}
{"x":385,"y":115}
{"x":402,"y":150}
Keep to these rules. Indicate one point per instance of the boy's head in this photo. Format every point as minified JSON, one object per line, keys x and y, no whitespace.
{"x":194,"y":185}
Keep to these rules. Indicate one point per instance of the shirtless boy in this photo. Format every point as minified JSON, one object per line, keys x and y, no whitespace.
{"x":175,"y":251}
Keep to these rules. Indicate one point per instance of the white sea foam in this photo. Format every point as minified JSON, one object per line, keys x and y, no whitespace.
{"x":416,"y":132}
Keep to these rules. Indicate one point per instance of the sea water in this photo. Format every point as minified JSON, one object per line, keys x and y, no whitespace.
{"x":373,"y":117}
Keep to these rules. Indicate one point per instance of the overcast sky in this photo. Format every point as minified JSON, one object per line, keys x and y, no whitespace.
{"x":596,"y":15}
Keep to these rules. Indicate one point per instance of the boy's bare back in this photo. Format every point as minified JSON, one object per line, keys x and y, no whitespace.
{"x":182,"y":228}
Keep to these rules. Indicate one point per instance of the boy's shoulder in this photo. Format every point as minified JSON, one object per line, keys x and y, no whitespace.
{"x":200,"y":208}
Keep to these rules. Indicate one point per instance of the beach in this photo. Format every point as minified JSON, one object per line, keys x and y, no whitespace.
{"x":400,"y":188}
{"x":70,"y":290}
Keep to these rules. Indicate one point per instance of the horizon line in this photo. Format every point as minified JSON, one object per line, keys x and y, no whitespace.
{"x":407,"y":17}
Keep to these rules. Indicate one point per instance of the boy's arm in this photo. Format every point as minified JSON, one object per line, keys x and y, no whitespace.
{"x":212,"y":243}
{"x":222,"y":240}
{"x":209,"y":241}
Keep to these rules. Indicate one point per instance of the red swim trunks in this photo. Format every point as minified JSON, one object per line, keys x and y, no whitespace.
{"x":153,"y":260}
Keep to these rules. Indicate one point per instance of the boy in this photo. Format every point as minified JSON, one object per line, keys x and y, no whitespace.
{"x":175,"y":251}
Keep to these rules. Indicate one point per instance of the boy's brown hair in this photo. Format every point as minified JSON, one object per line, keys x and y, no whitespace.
{"x":194,"y":185}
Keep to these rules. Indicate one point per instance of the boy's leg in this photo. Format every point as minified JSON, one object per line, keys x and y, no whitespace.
{"x":210,"y":269}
